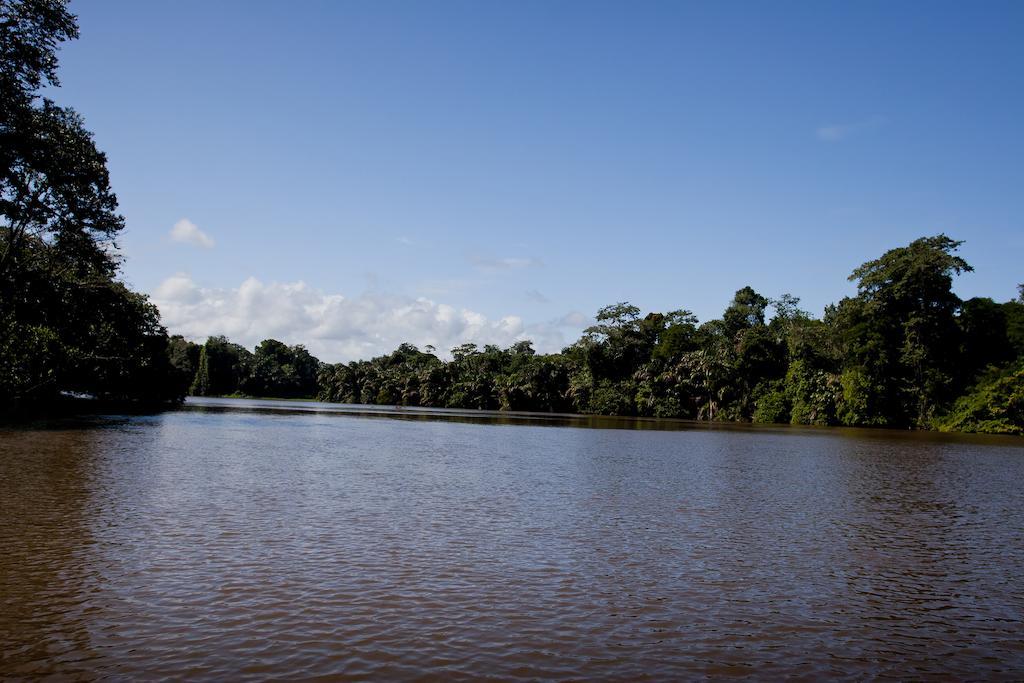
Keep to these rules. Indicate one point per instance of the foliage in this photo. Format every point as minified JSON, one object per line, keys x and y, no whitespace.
{"x":995,"y":405}
{"x":896,"y":354}
{"x":899,"y":335}
{"x":1014,"y":312}
{"x":859,"y":365}
{"x":281,"y":371}
{"x":772,"y":403}
{"x":66,"y":323}
{"x":184,"y":359}
{"x":201,"y":382}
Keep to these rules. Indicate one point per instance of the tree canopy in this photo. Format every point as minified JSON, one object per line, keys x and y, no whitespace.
{"x":66,"y":323}
{"x":904,"y":352}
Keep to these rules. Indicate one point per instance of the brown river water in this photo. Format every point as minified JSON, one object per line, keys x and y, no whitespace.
{"x":248,"y":540}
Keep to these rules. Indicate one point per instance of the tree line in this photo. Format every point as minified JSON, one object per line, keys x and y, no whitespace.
{"x":905,"y":351}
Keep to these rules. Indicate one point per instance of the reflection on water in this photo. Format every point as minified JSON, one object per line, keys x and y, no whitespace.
{"x":275,"y":540}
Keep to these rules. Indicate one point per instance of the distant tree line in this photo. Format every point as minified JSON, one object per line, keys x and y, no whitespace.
{"x":904,"y":352}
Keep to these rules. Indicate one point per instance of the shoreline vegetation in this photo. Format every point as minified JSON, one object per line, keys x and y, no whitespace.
{"x":904,"y":352}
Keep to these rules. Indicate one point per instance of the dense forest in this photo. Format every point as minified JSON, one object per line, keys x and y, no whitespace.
{"x":905,"y":351}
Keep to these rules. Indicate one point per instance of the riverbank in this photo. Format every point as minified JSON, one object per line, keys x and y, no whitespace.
{"x":528,"y":418}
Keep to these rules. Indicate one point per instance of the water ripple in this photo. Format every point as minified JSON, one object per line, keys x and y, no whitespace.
{"x":225,"y":544}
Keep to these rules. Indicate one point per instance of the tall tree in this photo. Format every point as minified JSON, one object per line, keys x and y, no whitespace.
{"x":201,"y":383}
{"x":65,"y":322}
{"x":900,"y":334}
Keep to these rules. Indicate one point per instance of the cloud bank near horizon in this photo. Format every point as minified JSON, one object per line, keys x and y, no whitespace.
{"x":338,"y":328}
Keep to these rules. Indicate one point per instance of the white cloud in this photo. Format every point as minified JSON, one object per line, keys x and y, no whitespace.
{"x":835,"y":132}
{"x":338,"y":328}
{"x":178,"y":289}
{"x":189,"y":233}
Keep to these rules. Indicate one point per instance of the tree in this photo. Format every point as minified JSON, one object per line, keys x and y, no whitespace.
{"x":677,"y":336}
{"x":55,"y":198}
{"x":995,"y":405}
{"x":1014,"y":312}
{"x":746,"y":310}
{"x":900,"y":334}
{"x":184,"y":358}
{"x":201,"y":383}
{"x":279,"y":370}
{"x":615,"y":347}
{"x":67,"y":324}
{"x":984,"y":338}
{"x":229,"y":365}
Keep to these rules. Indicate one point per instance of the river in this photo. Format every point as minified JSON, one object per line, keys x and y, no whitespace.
{"x":237,"y":539}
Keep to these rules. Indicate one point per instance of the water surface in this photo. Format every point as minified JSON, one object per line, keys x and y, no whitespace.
{"x":236,"y":539}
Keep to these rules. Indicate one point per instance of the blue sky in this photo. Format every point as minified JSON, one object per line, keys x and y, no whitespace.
{"x":378,"y":171}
